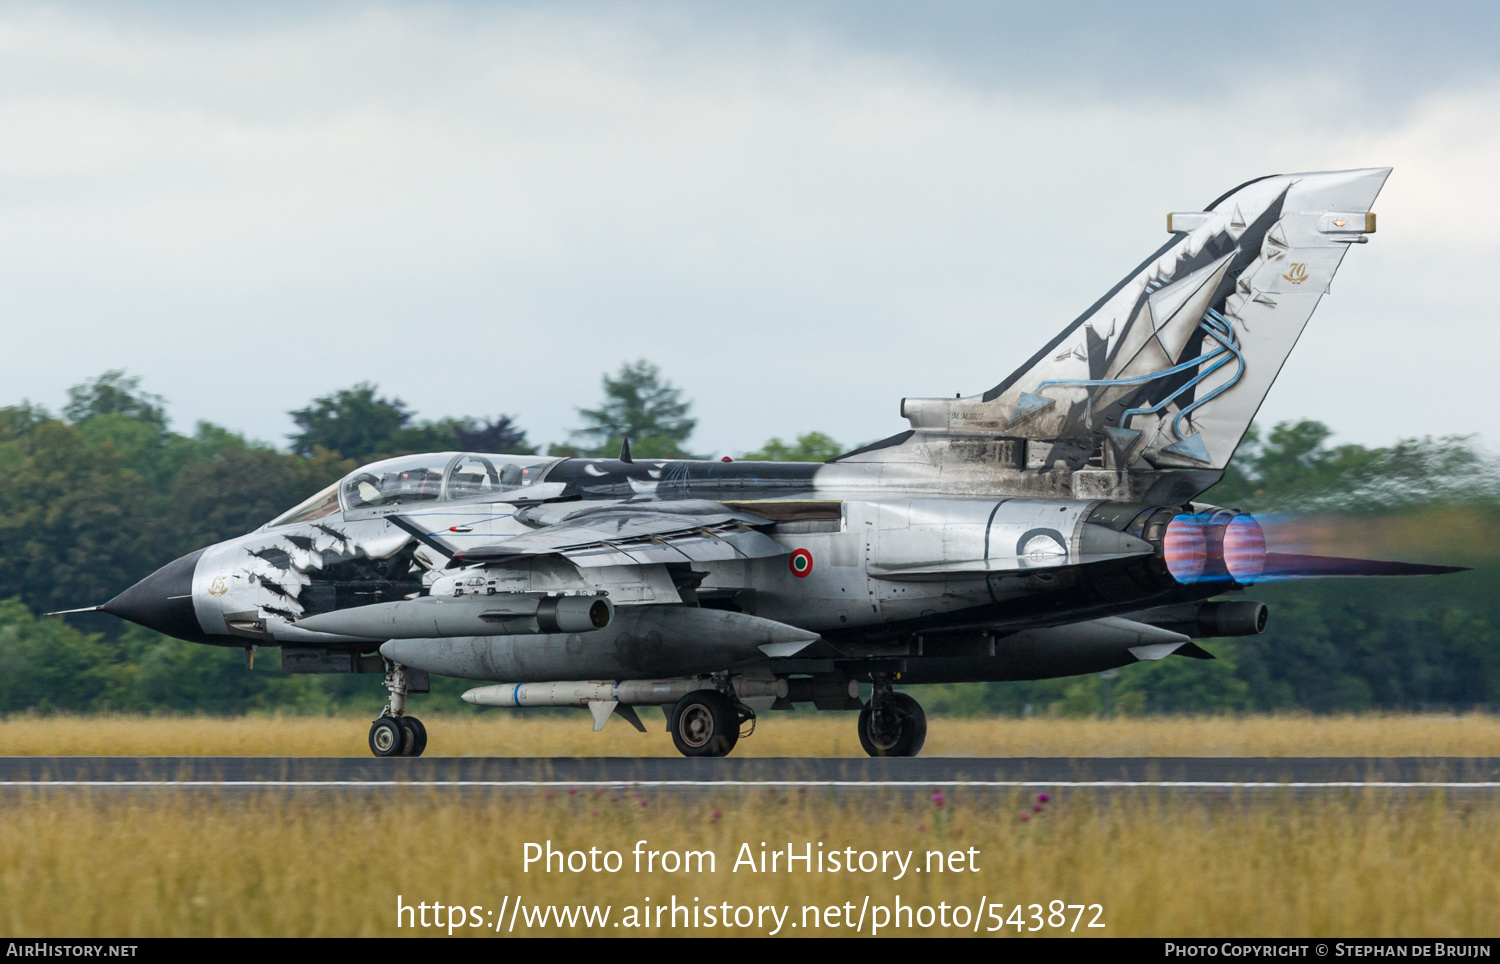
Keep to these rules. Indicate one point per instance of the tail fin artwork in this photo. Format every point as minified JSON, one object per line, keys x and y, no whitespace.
{"x":1156,"y":384}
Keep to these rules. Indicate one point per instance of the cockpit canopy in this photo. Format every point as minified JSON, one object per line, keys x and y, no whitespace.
{"x":439,"y":476}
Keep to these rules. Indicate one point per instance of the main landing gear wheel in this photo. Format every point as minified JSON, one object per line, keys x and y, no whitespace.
{"x":387,"y":737}
{"x":704,"y":723}
{"x":895,"y":726}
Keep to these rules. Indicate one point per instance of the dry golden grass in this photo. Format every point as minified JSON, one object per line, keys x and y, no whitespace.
{"x":779,"y":734}
{"x":146,"y":864}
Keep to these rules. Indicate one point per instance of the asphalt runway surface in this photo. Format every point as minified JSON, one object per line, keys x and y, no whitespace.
{"x":518,"y":773}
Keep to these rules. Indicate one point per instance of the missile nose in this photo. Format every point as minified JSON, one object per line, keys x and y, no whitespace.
{"x":163,"y":601}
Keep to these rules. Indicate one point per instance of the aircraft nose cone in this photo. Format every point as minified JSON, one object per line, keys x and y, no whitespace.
{"x":163,"y":601}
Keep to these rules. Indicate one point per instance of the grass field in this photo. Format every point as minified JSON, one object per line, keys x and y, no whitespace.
{"x":142,"y":864}
{"x":779,"y":734}
{"x":149,"y":863}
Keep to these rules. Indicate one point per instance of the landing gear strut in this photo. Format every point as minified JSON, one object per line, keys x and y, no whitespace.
{"x":891,"y":724}
{"x":395,"y":733}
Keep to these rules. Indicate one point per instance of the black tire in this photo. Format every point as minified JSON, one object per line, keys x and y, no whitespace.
{"x":704,"y":723}
{"x":386,"y":737}
{"x":907,"y":735}
{"x":416,"y":736}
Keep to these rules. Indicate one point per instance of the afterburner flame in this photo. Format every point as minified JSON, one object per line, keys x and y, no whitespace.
{"x":1244,"y":549}
{"x":1185,"y":547}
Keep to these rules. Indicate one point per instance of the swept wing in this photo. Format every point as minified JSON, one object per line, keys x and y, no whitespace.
{"x":635,"y":533}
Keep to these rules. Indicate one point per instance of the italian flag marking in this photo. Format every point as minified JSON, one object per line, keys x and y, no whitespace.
{"x":801,"y":563}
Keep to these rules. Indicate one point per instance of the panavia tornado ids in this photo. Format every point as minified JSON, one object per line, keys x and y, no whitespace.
{"x":1046,"y":527}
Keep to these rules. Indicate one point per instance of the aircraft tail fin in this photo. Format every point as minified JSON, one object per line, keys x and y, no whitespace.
{"x":1167,"y":370}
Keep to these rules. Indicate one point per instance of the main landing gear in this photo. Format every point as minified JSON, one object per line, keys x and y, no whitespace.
{"x":891,"y":724}
{"x":707,"y":723}
{"x":395,"y":733}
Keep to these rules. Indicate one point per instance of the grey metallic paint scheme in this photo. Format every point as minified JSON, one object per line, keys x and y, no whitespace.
{"x":1001,"y":537}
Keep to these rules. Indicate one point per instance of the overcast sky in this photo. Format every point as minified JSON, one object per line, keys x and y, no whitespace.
{"x":801,"y":211}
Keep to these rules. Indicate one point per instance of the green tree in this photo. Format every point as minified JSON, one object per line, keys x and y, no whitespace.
{"x":243,"y":488}
{"x":1180,"y":685}
{"x":1295,"y":469}
{"x":47,"y":664}
{"x":355,"y":423}
{"x":809,"y":447}
{"x":115,"y":393}
{"x":113,"y":409}
{"x":500,"y":436}
{"x":638,"y":405}
{"x":76,"y":521}
{"x":351,"y":421}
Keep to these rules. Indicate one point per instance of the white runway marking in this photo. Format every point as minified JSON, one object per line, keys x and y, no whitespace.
{"x":705,"y":784}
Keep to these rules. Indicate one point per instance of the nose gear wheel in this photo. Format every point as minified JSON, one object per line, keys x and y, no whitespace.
{"x":395,"y":733}
{"x":386,"y":737}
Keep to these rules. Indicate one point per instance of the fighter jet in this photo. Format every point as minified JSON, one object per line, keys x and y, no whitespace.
{"x":1045,"y":527}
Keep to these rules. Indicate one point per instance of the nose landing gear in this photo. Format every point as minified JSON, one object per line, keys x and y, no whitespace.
{"x":394,"y":733}
{"x":892,"y":724}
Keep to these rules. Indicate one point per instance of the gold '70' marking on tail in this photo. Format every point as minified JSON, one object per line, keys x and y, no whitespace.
{"x":1298,"y":272}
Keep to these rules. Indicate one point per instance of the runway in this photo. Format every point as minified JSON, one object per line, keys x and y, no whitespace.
{"x":519,"y":773}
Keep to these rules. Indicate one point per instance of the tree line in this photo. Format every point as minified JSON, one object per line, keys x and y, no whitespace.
{"x":96,"y":496}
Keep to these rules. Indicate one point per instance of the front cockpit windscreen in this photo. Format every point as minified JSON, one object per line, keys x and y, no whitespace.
{"x":441,"y":476}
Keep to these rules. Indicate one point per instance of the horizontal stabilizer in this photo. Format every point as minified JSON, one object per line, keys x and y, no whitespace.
{"x":1286,"y":565}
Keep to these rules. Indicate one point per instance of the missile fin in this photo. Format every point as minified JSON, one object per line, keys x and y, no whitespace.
{"x":627,"y":713}
{"x":1153,"y":651}
{"x":601,"y":710}
{"x":1193,"y":651}
{"x":784,"y":649}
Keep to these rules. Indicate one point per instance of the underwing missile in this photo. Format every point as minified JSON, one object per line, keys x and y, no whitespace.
{"x":502,"y":614}
{"x":639,"y":692}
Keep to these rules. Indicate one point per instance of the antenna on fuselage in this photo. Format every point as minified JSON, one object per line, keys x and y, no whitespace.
{"x":625,"y":450}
